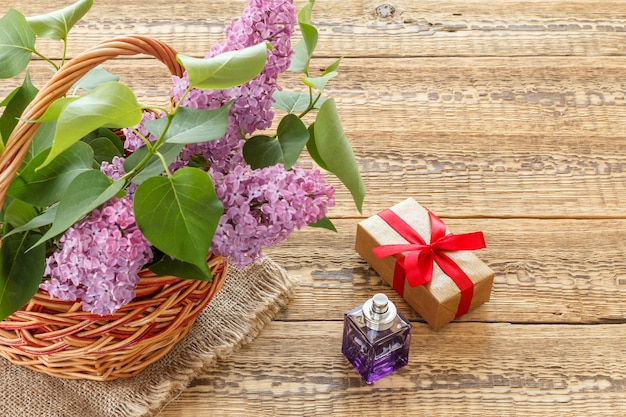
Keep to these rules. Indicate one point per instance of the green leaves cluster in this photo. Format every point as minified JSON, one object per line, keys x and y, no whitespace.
{"x":18,"y":34}
{"x":60,"y":180}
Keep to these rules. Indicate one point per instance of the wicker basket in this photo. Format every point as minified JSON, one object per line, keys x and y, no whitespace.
{"x":56,"y":337}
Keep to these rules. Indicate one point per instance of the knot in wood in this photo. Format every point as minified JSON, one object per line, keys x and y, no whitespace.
{"x":385,"y":11}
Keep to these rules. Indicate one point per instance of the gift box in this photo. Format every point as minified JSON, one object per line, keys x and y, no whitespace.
{"x":435,"y":271}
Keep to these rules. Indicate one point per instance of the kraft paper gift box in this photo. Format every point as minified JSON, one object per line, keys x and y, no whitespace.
{"x":414,"y":248}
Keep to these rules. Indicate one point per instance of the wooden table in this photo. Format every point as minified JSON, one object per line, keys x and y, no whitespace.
{"x":502,"y":116}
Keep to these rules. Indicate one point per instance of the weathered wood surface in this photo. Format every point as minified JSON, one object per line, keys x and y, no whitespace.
{"x":547,"y":271}
{"x":502,"y":116}
{"x":465,"y":369}
{"x":356,"y":28}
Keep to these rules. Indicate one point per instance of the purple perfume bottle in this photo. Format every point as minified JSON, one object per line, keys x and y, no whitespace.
{"x":376,"y":338}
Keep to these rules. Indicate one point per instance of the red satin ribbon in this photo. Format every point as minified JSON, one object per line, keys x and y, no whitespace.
{"x":417,"y":262}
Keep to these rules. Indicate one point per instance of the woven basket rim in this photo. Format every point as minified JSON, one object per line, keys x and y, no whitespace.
{"x":82,"y":345}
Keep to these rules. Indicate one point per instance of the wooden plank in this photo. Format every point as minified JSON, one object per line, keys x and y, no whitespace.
{"x":366,"y":28}
{"x":465,"y":369}
{"x":480,"y":96}
{"x":546,"y":271}
{"x":566,"y":97}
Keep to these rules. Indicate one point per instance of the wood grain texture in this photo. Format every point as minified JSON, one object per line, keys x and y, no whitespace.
{"x":547,"y":271}
{"x":465,"y":369}
{"x":503,"y":116}
{"x":359,"y":28}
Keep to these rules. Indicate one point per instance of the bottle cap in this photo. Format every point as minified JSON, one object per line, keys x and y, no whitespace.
{"x":379,"y":312}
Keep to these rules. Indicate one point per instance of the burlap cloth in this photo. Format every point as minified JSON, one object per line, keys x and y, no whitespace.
{"x":248,"y":300}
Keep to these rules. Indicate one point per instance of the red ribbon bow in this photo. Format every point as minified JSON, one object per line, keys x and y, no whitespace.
{"x":417,"y":263}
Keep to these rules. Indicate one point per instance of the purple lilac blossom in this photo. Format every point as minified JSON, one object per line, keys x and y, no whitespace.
{"x":113,"y":169}
{"x":98,"y":259}
{"x":133,"y":141}
{"x":264,"y":206}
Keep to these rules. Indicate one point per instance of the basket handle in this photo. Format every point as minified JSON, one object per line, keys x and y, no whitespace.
{"x":24,"y":132}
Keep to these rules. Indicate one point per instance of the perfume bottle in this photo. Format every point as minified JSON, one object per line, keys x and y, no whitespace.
{"x":376,"y":338}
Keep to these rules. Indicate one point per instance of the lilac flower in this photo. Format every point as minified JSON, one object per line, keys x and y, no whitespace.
{"x":132,"y":141}
{"x":98,"y":259}
{"x":264,"y":206}
{"x":113,"y":169}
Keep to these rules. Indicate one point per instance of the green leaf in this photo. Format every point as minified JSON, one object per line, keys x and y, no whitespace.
{"x":89,"y":190}
{"x":320,"y":82}
{"x":225,"y":70}
{"x":104,"y":149}
{"x":192,"y":125}
{"x":334,"y":67}
{"x":113,"y":136}
{"x":8,"y":98}
{"x":44,"y":219}
{"x":263,"y":151}
{"x":15,"y":104}
{"x":167,"y":266}
{"x":291,"y":101}
{"x":294,"y":102}
{"x":111,"y":105}
{"x":17,"y":43}
{"x":324,"y":223}
{"x":105,"y":144}
{"x":305,"y":47}
{"x":21,"y":272}
{"x":94,"y":78}
{"x":312,"y":149}
{"x":303,"y":51}
{"x":154,"y":166}
{"x":54,"y":110}
{"x":292,"y":136}
{"x":19,"y":213}
{"x":334,"y":149}
{"x":56,"y":25}
{"x":42,"y":140}
{"x":179,"y":214}
{"x":306,"y":13}
{"x":42,"y":187}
